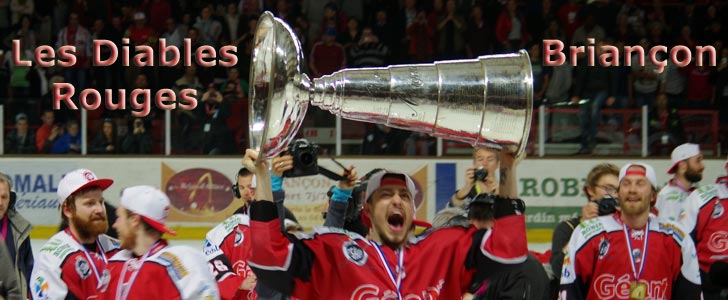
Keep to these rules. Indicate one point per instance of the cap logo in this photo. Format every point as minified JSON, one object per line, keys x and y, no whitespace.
{"x":636,"y":172}
{"x":88,"y":175}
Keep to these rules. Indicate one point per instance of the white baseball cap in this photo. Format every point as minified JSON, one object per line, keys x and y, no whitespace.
{"x":649,"y":172}
{"x":681,"y":153}
{"x":150,"y":203}
{"x":78,"y":179}
{"x":376,"y":180}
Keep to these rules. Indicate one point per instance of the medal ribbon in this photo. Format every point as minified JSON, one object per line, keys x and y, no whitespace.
{"x":122,"y":290}
{"x":91,"y":261}
{"x":400,"y":262}
{"x":644,"y":252}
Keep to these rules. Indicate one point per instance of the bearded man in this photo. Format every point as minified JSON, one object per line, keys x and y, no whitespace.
{"x":72,"y":264}
{"x":687,"y":165}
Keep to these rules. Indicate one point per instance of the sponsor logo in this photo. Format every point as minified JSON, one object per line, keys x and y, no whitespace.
{"x":239,"y":237}
{"x":175,"y":268}
{"x":370,"y":291}
{"x":603,"y":248}
{"x":354,"y":253}
{"x":82,"y":267}
{"x":199,"y":191}
{"x":40,"y":288}
{"x":718,"y":242}
{"x":672,"y":229}
{"x":210,"y":248}
{"x":591,"y":227}
{"x":717,"y":211}
{"x":608,"y":286}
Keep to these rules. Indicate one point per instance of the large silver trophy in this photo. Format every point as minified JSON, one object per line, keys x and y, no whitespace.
{"x":483,"y":102}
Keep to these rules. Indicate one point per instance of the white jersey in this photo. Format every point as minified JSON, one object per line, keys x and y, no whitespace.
{"x":177,"y":272}
{"x":671,"y":201}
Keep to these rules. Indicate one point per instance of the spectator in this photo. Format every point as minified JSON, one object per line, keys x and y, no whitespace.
{"x":234,"y":22}
{"x":15,"y":234}
{"x":478,"y":37}
{"x":421,"y":35}
{"x":450,"y":28}
{"x":9,"y":285}
{"x":333,"y":18}
{"x":216,"y":137}
{"x":700,"y":86}
{"x":672,"y":83}
{"x":76,"y":35}
{"x":139,"y":141}
{"x":385,"y":29}
{"x":20,"y":87}
{"x":645,"y":80}
{"x":601,"y":182}
{"x":158,"y":11}
{"x":20,"y":140}
{"x":666,"y":129}
{"x":484,"y":160}
{"x":382,"y":140}
{"x":541,"y":72}
{"x":210,"y":29}
{"x":5,"y":74}
{"x":106,"y":141}
{"x":350,"y":37}
{"x":568,"y":16}
{"x":18,"y":8}
{"x":369,"y":52}
{"x":24,"y":32}
{"x":327,"y":56}
{"x":589,"y":29}
{"x":597,"y":84}
{"x":47,"y":133}
{"x":721,"y":87}
{"x":69,"y":142}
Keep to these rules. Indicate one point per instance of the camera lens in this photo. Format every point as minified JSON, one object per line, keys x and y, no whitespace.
{"x":306,"y":159}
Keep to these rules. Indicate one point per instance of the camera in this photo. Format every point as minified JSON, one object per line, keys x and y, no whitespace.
{"x":480,"y":174}
{"x":607,"y":205}
{"x":305,"y":158}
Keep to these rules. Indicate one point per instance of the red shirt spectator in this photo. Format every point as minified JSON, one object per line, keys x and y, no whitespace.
{"x":159,"y":11}
{"x":700,"y":89}
{"x":327,"y":56}
{"x":569,"y":18}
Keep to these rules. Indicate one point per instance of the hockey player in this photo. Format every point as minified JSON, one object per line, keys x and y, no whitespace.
{"x":333,"y":264}
{"x":148,"y":267}
{"x":687,"y":165}
{"x":706,"y":220}
{"x":72,"y":264}
{"x":631,"y":254}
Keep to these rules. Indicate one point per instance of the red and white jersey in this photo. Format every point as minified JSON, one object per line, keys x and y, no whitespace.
{"x":166,"y":272}
{"x":603,"y":258}
{"x":65,"y":269}
{"x":336,"y":264}
{"x":707,"y":222}
{"x":722,"y":180}
{"x":670,"y":201}
{"x":227,"y":247}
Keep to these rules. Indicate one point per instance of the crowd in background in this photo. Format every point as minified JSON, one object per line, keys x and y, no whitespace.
{"x":341,"y":34}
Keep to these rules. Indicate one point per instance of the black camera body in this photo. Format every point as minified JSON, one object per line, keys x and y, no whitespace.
{"x":305,"y":158}
{"x":480,"y":174}
{"x":607,"y":205}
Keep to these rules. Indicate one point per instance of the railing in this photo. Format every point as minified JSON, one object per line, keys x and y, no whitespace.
{"x":554,"y":131}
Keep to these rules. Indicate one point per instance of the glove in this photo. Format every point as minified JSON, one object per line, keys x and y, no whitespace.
{"x":503,"y":207}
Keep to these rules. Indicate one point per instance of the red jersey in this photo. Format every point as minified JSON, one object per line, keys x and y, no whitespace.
{"x":65,"y":269}
{"x":604,"y":258}
{"x":165,"y":272}
{"x":327,"y":58}
{"x":336,"y":264}
{"x":227,"y":247}
{"x":707,"y":222}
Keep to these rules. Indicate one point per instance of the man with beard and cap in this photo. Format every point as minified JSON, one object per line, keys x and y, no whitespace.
{"x":148,"y":267}
{"x":687,"y":165}
{"x":72,"y":264}
{"x":393,"y":264}
{"x":706,"y":220}
{"x":631,"y":254}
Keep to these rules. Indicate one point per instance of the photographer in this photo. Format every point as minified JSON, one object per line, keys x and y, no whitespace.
{"x":480,"y":178}
{"x":217,"y":138}
{"x":139,"y":141}
{"x":601,"y":184}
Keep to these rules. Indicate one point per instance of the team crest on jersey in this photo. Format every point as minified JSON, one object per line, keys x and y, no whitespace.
{"x":354,"y":253}
{"x":603,"y":248}
{"x":238,"y":237}
{"x":82,"y":267}
{"x":717,"y":211}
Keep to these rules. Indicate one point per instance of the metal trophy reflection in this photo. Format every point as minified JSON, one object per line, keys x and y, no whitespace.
{"x":483,"y":102}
